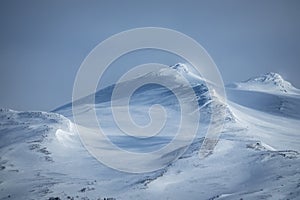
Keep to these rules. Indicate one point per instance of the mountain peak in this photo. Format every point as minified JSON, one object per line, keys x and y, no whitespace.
{"x":270,"y":77}
{"x":268,"y":82}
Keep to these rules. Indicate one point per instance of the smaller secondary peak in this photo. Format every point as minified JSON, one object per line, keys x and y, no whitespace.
{"x":270,"y":82}
{"x":269,"y":77}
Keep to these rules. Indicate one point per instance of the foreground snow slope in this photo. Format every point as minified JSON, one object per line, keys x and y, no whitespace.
{"x":257,"y":157}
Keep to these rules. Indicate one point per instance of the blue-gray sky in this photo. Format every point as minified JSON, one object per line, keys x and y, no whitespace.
{"x":42,"y":43}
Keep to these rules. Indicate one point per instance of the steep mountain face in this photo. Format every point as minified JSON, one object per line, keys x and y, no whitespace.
{"x":256,"y":157}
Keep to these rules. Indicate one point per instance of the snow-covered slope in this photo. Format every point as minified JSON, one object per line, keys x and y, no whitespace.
{"x":268,"y":93}
{"x":256,"y":157}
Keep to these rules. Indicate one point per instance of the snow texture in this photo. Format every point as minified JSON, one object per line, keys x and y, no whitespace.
{"x":256,"y":157}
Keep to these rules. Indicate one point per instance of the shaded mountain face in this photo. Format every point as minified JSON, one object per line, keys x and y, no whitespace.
{"x":150,"y":94}
{"x":145,"y":97}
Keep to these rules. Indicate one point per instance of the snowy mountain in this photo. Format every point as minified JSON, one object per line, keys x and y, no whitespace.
{"x":269,"y":93}
{"x":256,"y":157}
{"x":160,"y":94}
{"x":270,"y":82}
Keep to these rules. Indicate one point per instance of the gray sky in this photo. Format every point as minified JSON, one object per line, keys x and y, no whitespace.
{"x":42,"y":43}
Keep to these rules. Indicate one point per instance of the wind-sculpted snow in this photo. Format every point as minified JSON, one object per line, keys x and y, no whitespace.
{"x":256,"y":156}
{"x":151,"y":92}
